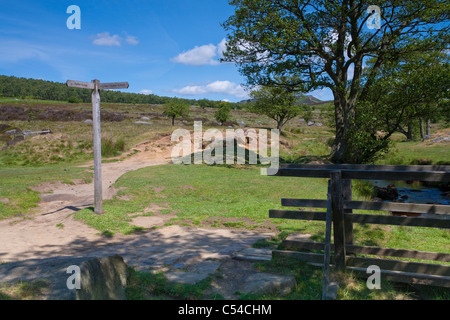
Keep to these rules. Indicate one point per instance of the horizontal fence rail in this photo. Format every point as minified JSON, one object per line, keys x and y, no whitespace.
{"x":340,"y":206}
{"x":376,"y":206}
{"x":430,"y":176}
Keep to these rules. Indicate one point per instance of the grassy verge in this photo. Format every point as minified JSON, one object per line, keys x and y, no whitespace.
{"x":16,"y":195}
{"x":203,"y":195}
{"x":219,"y":196}
{"x":24,"y":290}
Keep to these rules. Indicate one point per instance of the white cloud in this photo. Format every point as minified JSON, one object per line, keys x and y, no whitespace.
{"x":222,"y":47}
{"x":202,"y":55}
{"x":105,"y":39}
{"x":224,"y":87}
{"x":132,"y":40}
{"x":146,"y":92}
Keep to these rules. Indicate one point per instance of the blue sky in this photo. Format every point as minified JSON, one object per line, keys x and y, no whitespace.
{"x":166,"y":47}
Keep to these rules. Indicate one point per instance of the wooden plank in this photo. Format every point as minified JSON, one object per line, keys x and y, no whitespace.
{"x":114,"y":85}
{"x":368,"y":167}
{"x":437,"y":222}
{"x":80,"y":84}
{"x":303,"y":245}
{"x":397,"y":207}
{"x":400,"y":253}
{"x":297,"y":215}
{"x":397,"y":265}
{"x":337,"y":209}
{"x":376,"y":251}
{"x":443,"y":176}
{"x":368,"y":205}
{"x":405,"y":277}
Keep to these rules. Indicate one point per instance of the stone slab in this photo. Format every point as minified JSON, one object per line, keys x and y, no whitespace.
{"x":185,"y":277}
{"x":267,"y":283}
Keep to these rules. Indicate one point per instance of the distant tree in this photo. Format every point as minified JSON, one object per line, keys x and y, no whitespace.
{"x":73,"y":99}
{"x":307,"y":115}
{"x":176,"y":108}
{"x":276,"y":103}
{"x":408,"y":92}
{"x":223,"y":113}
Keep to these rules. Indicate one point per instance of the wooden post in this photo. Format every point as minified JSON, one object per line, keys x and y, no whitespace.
{"x":327,"y":249}
{"x":347,"y":196}
{"x":98,"y":193}
{"x":337,"y":205}
{"x":95,"y":85}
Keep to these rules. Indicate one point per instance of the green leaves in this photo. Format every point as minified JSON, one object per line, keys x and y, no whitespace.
{"x":176,"y":108}
{"x":276,"y":103}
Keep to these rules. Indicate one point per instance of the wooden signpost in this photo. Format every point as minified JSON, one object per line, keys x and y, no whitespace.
{"x":95,"y":86}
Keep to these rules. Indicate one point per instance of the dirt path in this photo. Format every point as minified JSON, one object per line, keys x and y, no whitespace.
{"x":39,"y":244}
{"x":33,"y":238}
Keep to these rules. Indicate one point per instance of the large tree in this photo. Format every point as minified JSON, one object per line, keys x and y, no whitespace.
{"x":325,"y":44}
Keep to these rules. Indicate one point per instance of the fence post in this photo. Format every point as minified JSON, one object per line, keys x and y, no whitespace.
{"x":347,"y":196}
{"x":337,"y":206}
{"x":327,"y":249}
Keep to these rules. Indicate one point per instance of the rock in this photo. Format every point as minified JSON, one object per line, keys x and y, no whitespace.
{"x":267,"y":283}
{"x":389,"y":193}
{"x":254,"y":255}
{"x":185,"y":277}
{"x":206,"y":267}
{"x":142,"y":122}
{"x":311,"y":123}
{"x":194,"y":274}
{"x":441,"y":139}
{"x":103,"y":279}
{"x":88,"y":121}
{"x":145,"y":118}
{"x":318,"y":124}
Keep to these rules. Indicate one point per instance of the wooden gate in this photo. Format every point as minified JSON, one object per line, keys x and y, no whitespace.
{"x":339,"y":218}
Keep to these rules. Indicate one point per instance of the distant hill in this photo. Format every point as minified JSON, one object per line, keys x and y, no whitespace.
{"x":23,"y":88}
{"x":303,"y":99}
{"x":310,"y":100}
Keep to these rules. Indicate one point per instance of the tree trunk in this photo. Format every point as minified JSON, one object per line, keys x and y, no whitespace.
{"x":173,"y":121}
{"x":344,"y":114}
{"x":422,"y":132}
{"x":408,"y":134}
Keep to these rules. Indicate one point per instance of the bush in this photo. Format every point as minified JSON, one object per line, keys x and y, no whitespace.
{"x":223,"y":113}
{"x":73,"y":99}
{"x":111,"y":148}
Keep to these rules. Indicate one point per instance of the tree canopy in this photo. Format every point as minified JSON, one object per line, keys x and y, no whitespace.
{"x":276,"y":103}
{"x":326,"y":44}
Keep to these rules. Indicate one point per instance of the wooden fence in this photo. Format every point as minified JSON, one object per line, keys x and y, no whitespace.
{"x":339,"y":218}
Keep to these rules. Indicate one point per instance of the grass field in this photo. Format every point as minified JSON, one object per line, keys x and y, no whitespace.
{"x":200,"y":195}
